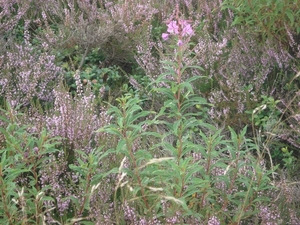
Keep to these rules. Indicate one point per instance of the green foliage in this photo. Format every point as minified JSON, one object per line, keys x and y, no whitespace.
{"x":22,"y":197}
{"x":90,"y":178}
{"x":175,"y":182}
{"x":288,"y":159}
{"x":265,"y":112}
{"x":128,"y":127}
{"x":266,"y":18}
{"x":166,"y":160}
{"x":109,"y":78}
{"x":17,"y":33}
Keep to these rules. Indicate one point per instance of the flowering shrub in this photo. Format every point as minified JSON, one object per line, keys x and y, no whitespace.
{"x":75,"y":119}
{"x":184,"y":181}
{"x":160,"y":151}
{"x":28,"y":74}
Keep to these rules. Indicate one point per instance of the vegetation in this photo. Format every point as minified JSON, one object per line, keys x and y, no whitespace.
{"x":177,"y":112}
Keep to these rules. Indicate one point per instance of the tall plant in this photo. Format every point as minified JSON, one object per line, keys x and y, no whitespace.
{"x":198,"y":178}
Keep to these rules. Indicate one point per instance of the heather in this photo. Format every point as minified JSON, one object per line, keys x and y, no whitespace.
{"x":149,"y":112}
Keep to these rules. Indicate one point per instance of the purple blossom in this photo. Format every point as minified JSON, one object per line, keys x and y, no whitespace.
{"x":181,"y":28}
{"x":165,"y":36}
{"x":180,"y":42}
{"x":187,"y":29}
{"x":213,"y":221}
{"x":173,"y":27}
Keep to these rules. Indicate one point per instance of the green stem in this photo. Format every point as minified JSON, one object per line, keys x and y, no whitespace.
{"x":6,"y":210}
{"x":86,"y":191}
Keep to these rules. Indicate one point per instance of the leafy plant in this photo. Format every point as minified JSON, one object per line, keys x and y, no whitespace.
{"x":202,"y":179}
{"x":23,"y":199}
{"x":267,"y":17}
{"x":267,"y":111}
{"x":173,"y":146}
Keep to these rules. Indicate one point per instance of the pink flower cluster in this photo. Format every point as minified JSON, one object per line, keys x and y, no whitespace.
{"x":181,"y":28}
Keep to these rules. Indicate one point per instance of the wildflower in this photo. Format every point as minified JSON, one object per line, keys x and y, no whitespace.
{"x":180,"y":42}
{"x":173,"y":27}
{"x":165,"y":36}
{"x":187,"y":29}
{"x":182,"y":28}
{"x":213,"y":221}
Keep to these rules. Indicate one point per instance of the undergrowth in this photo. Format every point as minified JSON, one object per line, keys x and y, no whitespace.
{"x":173,"y":113}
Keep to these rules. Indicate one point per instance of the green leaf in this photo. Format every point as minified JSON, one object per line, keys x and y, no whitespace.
{"x":14,"y":173}
{"x":49,"y":149}
{"x":175,"y":127}
{"x":121,"y":147}
{"x":233,"y":134}
{"x":114,"y":131}
{"x":237,"y":20}
{"x":137,"y":116}
{"x":153,"y":134}
{"x":194,"y":67}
